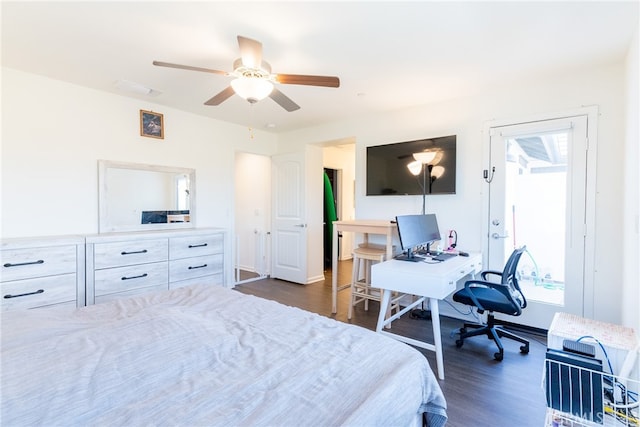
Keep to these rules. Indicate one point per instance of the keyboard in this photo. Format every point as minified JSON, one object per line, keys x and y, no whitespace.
{"x":443,"y":256}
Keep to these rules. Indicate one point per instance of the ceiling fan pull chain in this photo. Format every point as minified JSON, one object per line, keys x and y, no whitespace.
{"x":251,"y":119}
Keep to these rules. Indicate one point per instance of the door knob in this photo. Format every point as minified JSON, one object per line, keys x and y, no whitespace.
{"x":497,"y":236}
{"x":300,"y":225}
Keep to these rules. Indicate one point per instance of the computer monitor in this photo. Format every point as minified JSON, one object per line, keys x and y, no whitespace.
{"x":416,"y":230}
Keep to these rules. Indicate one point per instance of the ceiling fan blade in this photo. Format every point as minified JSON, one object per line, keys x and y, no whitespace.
{"x":283,"y":100}
{"x":221,"y":97}
{"x":250,"y":52}
{"x":189,"y":67}
{"x":297,"y":79}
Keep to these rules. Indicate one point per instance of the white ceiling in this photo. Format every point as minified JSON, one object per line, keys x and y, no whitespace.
{"x":388,"y":55}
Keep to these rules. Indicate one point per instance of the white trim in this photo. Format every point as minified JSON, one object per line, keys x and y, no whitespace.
{"x":538,"y":128}
{"x":590,"y":211}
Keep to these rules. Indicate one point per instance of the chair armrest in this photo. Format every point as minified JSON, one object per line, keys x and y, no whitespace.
{"x":485,"y":273}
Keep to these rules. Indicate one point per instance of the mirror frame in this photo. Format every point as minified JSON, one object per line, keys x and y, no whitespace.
{"x":105,"y":226}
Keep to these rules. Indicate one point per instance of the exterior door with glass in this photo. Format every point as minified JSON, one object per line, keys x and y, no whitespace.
{"x":538,"y":198}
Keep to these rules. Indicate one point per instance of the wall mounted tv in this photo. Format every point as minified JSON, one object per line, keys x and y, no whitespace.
{"x":388,"y":167}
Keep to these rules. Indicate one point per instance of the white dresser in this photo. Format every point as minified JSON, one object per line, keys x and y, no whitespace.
{"x":125,"y":264}
{"x":43,"y":271}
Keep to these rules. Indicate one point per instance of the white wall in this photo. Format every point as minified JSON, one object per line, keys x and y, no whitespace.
{"x":314,"y":212}
{"x":603,"y":86}
{"x":54,"y":133}
{"x":631,"y":226}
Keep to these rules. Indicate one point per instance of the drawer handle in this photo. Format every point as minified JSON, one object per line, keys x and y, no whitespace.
{"x":144,"y":251}
{"x":198,"y":246}
{"x":197,"y":266}
{"x":39,"y":291}
{"x":18,"y":264}
{"x":134,"y":277}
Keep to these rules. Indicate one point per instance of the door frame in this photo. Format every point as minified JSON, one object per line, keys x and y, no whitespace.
{"x":591,"y":112}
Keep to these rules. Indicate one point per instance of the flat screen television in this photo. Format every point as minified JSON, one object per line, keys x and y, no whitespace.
{"x":415,"y":231}
{"x":388,"y":172}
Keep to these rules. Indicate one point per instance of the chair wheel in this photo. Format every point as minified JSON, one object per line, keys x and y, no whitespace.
{"x":524,"y":349}
{"x":459,"y":343}
{"x":463,"y":331}
{"x":498,"y":356}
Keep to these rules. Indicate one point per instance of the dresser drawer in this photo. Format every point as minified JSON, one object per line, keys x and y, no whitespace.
{"x":192,"y":246}
{"x":29,"y":263}
{"x":188,"y":268}
{"x":38,"y":292}
{"x":116,"y":254}
{"x":114,"y":280}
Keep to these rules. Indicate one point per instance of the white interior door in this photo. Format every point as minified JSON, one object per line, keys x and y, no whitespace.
{"x":289,"y":228}
{"x":537,"y":197}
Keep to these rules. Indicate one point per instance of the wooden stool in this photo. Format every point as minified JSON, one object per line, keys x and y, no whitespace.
{"x":361,"y":290}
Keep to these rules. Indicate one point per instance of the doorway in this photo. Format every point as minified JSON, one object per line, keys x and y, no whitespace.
{"x":537,"y":195}
{"x":251,"y":237}
{"x":339,"y":162}
{"x":331,"y":209}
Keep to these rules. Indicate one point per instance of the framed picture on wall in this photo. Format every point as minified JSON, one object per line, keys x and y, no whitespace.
{"x":151,"y":124}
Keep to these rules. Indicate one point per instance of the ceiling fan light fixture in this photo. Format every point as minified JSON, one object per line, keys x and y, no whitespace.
{"x":253,"y":79}
{"x":253,"y":89}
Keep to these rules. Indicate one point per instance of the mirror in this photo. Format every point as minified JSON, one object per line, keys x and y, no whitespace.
{"x":136,"y":197}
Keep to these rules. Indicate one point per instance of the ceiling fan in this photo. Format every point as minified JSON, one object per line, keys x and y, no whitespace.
{"x":253,"y":78}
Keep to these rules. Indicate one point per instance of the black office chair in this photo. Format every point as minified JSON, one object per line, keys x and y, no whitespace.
{"x":504,"y":297}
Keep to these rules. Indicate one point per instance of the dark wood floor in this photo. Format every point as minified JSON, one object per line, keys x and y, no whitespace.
{"x":479,"y":390}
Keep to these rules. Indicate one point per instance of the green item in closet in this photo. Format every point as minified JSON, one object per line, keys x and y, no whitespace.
{"x":330,"y":208}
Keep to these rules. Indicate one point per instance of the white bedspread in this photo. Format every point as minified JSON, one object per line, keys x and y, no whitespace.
{"x":206,"y":356}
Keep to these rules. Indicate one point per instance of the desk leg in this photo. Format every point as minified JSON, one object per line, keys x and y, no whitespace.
{"x":334,"y":271}
{"x":437,"y":339}
{"x":384,"y":306}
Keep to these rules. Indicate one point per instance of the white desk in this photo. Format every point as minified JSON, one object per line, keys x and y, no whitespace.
{"x":427,"y":281}
{"x":366,"y":227}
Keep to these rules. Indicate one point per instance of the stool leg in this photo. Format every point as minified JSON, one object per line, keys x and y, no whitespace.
{"x":355,"y":272}
{"x":367,"y":281}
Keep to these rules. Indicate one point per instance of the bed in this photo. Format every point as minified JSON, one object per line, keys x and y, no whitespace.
{"x":207,"y":356}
